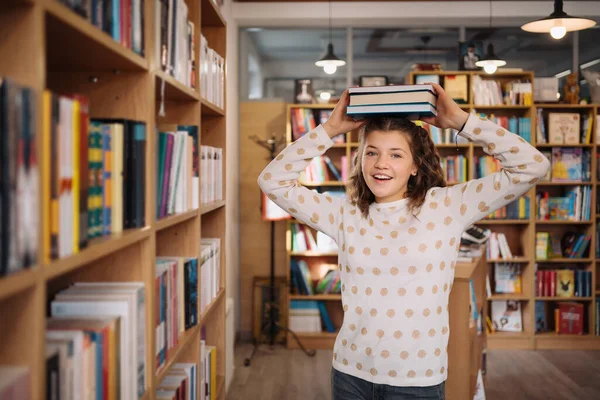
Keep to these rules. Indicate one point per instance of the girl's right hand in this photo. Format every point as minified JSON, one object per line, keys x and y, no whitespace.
{"x":339,"y":122}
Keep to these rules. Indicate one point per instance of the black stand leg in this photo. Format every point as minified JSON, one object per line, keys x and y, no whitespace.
{"x":271,"y":321}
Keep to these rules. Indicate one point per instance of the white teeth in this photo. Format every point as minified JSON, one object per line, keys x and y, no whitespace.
{"x":381,"y":177}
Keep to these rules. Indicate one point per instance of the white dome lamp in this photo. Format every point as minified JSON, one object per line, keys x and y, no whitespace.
{"x":330,"y":62}
{"x":490,"y":62}
{"x":558,"y":23}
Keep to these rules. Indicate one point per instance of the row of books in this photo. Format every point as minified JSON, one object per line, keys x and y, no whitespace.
{"x":563,"y":283}
{"x":19,"y":177}
{"x":212,"y":74}
{"x":191,"y":381}
{"x":94,"y":175}
{"x":300,"y":277}
{"x":568,"y":164}
{"x":309,"y":316}
{"x":175,"y":40}
{"x":210,"y":271}
{"x":507,"y":278}
{"x":549,"y":245}
{"x":322,"y":169}
{"x":178,"y":175}
{"x":176,"y":280}
{"x":303,"y":239}
{"x":442,"y":135}
{"x":574,"y":205}
{"x":518,"y":125}
{"x":563,"y":127}
{"x":455,"y":168}
{"x":568,"y":317}
{"x":120,"y":19}
{"x":488,"y":92}
{"x":96,"y":341}
{"x":304,"y":120}
{"x":211,"y":179}
{"x":516,"y":209}
{"x":497,"y":247}
{"x":597,"y":317}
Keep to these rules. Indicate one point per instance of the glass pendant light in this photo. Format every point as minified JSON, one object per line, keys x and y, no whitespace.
{"x":558,"y":23}
{"x":330,"y":61}
{"x":490,"y":62}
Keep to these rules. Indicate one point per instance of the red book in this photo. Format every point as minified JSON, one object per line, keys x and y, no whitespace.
{"x":570,"y":318}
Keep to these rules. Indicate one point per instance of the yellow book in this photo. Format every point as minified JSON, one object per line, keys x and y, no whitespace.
{"x":117,"y":178}
{"x":47,"y":157}
{"x":76,"y":169}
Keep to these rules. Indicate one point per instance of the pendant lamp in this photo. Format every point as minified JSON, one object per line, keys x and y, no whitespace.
{"x":490,"y":62}
{"x":558,"y":23}
{"x":330,"y":61}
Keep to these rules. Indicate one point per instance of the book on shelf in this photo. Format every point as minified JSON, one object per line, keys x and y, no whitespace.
{"x":211,"y":179}
{"x":310,"y":316}
{"x":573,"y":205}
{"x":176,"y":281}
{"x":507,"y":277}
{"x":177,"y":174}
{"x":19,"y":177}
{"x":321,"y":169}
{"x":124,"y":23}
{"x":563,"y":127}
{"x":210,"y":271}
{"x":212,"y":74}
{"x":180,"y":382}
{"x":442,"y":136}
{"x":303,"y":239}
{"x":175,"y":44}
{"x":455,"y":168}
{"x":570,"y":318}
{"x":518,"y":125}
{"x":124,"y":300}
{"x":570,"y":164}
{"x":564,"y":282}
{"x":498,"y":247}
{"x":506,"y":316}
{"x":208,"y":371}
{"x":490,"y":92}
{"x":409,"y":101}
{"x":549,"y":245}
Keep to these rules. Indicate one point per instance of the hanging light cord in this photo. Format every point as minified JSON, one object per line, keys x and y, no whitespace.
{"x":329,"y":21}
{"x":490,"y":14}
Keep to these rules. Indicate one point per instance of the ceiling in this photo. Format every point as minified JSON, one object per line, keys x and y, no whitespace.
{"x":404,"y":47}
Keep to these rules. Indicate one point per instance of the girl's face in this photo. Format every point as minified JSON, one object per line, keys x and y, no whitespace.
{"x":387,"y":164}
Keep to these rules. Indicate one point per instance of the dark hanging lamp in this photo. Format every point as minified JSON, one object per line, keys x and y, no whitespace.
{"x":558,"y":23}
{"x":330,"y":61}
{"x":490,"y":62}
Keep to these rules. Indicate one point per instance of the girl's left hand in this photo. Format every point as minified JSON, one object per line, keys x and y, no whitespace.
{"x":449,"y":114}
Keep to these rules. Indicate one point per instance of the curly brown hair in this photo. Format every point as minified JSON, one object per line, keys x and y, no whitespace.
{"x":425,"y":156}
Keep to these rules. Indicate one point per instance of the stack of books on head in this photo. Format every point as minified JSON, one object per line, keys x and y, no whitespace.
{"x":407,"y":101}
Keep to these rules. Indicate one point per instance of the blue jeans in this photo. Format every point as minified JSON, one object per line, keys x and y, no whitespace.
{"x":348,"y":387}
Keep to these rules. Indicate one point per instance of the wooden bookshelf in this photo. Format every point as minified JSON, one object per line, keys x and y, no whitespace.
{"x":524,"y":231}
{"x":46,"y":45}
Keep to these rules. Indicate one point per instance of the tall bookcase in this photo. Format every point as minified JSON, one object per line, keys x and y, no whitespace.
{"x":520,"y":233}
{"x":46,"y":45}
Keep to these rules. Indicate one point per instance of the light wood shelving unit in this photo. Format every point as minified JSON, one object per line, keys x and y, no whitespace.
{"x":520,"y":233}
{"x":46,"y":45}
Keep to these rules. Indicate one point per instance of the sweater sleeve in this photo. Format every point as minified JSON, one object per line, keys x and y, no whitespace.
{"x":522,"y":166}
{"x":279,"y":181}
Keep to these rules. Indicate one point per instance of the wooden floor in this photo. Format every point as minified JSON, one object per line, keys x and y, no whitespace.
{"x":281,"y":374}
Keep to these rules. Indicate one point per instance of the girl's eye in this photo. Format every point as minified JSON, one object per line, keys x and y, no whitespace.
{"x":371,"y":153}
{"x":397,"y":155}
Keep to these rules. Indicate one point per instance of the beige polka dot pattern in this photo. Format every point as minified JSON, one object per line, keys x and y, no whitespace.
{"x":396,"y":266}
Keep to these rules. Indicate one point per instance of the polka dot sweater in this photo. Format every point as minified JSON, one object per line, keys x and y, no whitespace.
{"x":397,"y":267}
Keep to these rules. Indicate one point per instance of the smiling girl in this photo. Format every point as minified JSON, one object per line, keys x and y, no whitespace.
{"x":398,"y":234}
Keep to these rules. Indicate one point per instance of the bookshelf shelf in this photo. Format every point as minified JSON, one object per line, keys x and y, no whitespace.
{"x":565,"y":106}
{"x":17,"y":282}
{"x":184,"y":342}
{"x":88,"y":46}
{"x":97,"y":248}
{"x":564,"y":260}
{"x":508,"y":296}
{"x":501,"y":107}
{"x":174,"y":90}
{"x":549,"y":146}
{"x":175,"y":219}
{"x":46,"y":45}
{"x":207,"y":208}
{"x":556,"y":298}
{"x":555,"y":222}
{"x":511,"y":260}
{"x":313,"y":254}
{"x":210,"y":109}
{"x":503,"y":222}
{"x":316,"y":297}
{"x":564,"y":183}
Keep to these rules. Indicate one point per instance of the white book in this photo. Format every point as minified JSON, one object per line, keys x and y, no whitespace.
{"x":77,"y":338}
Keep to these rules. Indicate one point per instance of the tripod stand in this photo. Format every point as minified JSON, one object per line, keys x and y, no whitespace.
{"x":269,"y":324}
